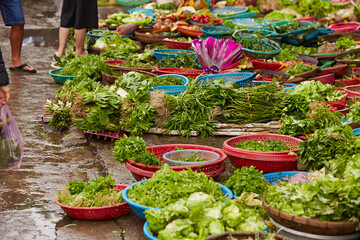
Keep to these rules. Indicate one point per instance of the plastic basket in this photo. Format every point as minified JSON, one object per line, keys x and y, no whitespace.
{"x":172,"y":157}
{"x":172,"y":89}
{"x":148,"y":12}
{"x":181,"y":71}
{"x":272,"y":66}
{"x":160,"y":150}
{"x":213,"y":31}
{"x":115,"y":64}
{"x":139,"y":209}
{"x":177,"y":45}
{"x":164,"y":53}
{"x":241,"y":78}
{"x":345,"y":27}
{"x":265,"y":161}
{"x":236,"y":10}
{"x":192,"y":33}
{"x":140,"y":174}
{"x":338,"y":70}
{"x":287,"y":86}
{"x":274,"y":178}
{"x":325,"y":79}
{"x":131,"y":3}
{"x":98,"y":213}
{"x":59,"y":78}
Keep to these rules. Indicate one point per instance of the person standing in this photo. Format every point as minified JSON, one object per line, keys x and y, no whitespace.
{"x":4,"y":81}
{"x":79,"y":14}
{"x":13,"y":15}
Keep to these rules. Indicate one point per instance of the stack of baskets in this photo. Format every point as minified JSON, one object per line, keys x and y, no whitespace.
{"x":268,"y":162}
{"x":214,"y":169}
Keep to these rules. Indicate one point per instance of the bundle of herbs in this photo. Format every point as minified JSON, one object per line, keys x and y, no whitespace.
{"x":99,"y":192}
{"x":185,"y":60}
{"x":268,"y":145}
{"x":134,"y":148}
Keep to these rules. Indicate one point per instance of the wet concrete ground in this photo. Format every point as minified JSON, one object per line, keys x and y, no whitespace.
{"x":52,"y":159}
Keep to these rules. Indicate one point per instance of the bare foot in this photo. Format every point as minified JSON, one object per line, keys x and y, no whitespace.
{"x":57,"y":54}
{"x":83,"y":53}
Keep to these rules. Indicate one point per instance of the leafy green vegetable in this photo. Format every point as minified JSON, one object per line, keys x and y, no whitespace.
{"x":344,"y":42}
{"x":353,"y":115}
{"x":98,"y":192}
{"x":326,"y":198}
{"x":299,"y":68}
{"x":277,"y":15}
{"x":293,"y":26}
{"x":288,"y":52}
{"x":247,"y":179}
{"x":264,"y":146}
{"x":134,"y":148}
{"x":316,"y":7}
{"x":193,"y":158}
{"x":184,"y":60}
{"x":200,"y":216}
{"x":135,"y":64}
{"x":168,"y":186}
{"x":327,"y":144}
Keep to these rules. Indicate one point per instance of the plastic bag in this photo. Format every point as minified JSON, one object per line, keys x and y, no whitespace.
{"x":11,"y":144}
{"x":129,"y":3}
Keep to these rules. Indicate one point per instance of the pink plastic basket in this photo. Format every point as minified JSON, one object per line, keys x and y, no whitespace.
{"x":338,"y":70}
{"x":181,"y":71}
{"x":345,"y":27}
{"x":325,"y":79}
{"x":97,"y":213}
{"x":266,"y":161}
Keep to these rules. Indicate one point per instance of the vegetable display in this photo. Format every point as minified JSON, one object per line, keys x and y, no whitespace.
{"x":98,"y":192}
{"x":168,"y":186}
{"x":247,"y":179}
{"x":184,"y":60}
{"x":200,"y":216}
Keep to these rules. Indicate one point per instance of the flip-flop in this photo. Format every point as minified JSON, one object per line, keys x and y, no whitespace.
{"x":21,"y":68}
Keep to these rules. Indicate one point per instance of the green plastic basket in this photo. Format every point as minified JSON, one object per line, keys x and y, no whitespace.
{"x":59,"y":78}
{"x":129,"y":3}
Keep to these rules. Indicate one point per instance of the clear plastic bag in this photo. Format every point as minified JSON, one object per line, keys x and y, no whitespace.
{"x":11,"y":144}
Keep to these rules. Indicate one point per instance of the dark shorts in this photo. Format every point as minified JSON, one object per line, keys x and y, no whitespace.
{"x":12,"y":12}
{"x":79,"y":14}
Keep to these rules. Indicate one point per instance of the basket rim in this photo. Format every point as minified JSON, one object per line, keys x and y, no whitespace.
{"x":227,"y":148}
{"x":121,"y":186}
{"x":328,"y":224}
{"x":225,"y":190}
{"x":177,"y":42}
{"x":51,"y":72}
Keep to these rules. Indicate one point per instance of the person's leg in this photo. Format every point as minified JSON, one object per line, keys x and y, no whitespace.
{"x":63,"y":36}
{"x":16,"y":38}
{"x":80,"y":40}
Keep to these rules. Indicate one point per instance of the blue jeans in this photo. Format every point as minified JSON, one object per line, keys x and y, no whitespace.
{"x":12,"y":12}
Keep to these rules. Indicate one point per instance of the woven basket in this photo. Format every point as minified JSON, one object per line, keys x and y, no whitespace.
{"x":345,"y":61}
{"x":111,"y":79}
{"x":243,"y":235}
{"x":143,"y":36}
{"x":309,"y":225}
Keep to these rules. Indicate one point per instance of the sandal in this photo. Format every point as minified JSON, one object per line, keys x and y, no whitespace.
{"x":21,"y":68}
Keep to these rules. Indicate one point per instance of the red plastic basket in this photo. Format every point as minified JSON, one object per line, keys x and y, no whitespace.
{"x":338,"y":70}
{"x":160,"y":150}
{"x":345,"y":27}
{"x":97,"y":213}
{"x":261,"y":64}
{"x":348,"y":82}
{"x":325,"y":79}
{"x":181,"y":71}
{"x":305,"y":19}
{"x":353,"y":91}
{"x":192,"y":33}
{"x":114,"y":65}
{"x":177,"y":45}
{"x":139,"y":174}
{"x":266,"y":161}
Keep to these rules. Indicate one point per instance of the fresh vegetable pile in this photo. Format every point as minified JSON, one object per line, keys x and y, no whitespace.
{"x":168,"y":186}
{"x":98,"y":192}
{"x":264,"y":146}
{"x":247,"y":179}
{"x":200,"y":216}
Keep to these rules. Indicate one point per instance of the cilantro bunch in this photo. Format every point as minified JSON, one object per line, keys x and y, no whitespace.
{"x":168,"y":186}
{"x":247,"y":179}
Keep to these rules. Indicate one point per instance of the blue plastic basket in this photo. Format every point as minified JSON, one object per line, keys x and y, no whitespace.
{"x":356,"y":131}
{"x":148,"y":12}
{"x":240,"y":78}
{"x":273,"y":178}
{"x":287,"y":86}
{"x":241,"y":15}
{"x":249,"y":22}
{"x":163,"y":53}
{"x":211,"y":31}
{"x":172,"y":89}
{"x":139,"y":209}
{"x":96,"y":37}
{"x":236,"y":10}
